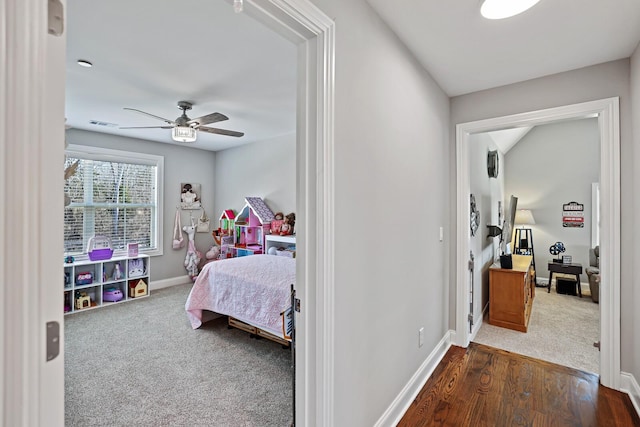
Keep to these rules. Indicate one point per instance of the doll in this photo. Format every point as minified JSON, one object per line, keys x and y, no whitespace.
{"x":287,"y":226}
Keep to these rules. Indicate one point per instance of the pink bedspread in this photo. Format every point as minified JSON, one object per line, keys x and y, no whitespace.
{"x":254,"y":289}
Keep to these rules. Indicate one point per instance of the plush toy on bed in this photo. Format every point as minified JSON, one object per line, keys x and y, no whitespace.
{"x":193,"y":257}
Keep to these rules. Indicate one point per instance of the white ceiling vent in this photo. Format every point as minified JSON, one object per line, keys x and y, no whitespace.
{"x":105,"y":124}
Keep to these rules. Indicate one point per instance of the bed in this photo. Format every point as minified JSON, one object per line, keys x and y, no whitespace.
{"x":253,"y":291}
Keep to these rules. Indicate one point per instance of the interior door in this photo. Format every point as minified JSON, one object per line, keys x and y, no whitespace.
{"x":32,"y":81}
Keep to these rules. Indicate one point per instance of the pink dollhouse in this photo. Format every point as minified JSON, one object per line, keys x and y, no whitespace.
{"x":251,"y":224}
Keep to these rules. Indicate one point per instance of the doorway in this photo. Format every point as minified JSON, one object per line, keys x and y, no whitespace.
{"x":546,"y":168}
{"x":39,"y":62}
{"x":606,"y":111}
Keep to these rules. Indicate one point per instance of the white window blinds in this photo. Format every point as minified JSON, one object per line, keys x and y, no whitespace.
{"x":113,"y":194}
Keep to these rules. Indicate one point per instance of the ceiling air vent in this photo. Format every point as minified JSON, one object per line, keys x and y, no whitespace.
{"x":105,"y":124}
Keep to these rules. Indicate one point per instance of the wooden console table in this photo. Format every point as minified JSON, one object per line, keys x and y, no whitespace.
{"x":571,"y":269}
{"x":511,"y":293}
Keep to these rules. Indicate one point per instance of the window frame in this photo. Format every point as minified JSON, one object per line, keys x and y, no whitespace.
{"x":122,"y":156}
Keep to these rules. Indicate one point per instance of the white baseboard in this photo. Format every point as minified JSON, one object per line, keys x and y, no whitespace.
{"x":401,"y":403}
{"x":165,"y":283}
{"x":629,"y":385}
{"x":476,"y":326}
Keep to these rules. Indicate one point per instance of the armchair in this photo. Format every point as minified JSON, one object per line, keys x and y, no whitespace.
{"x":593,"y":273}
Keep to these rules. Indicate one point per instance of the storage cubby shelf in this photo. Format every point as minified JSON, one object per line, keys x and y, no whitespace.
{"x":91,"y":284}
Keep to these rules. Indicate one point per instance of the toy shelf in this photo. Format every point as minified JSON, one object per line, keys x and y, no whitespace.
{"x":284,"y":245}
{"x":92,"y":284}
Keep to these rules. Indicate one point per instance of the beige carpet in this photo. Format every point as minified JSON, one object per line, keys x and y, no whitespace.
{"x":562,"y":330}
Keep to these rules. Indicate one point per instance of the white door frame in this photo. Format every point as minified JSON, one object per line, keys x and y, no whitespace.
{"x":32,"y":101}
{"x":607,"y":111}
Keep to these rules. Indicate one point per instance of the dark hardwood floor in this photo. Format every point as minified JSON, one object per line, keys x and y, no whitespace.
{"x":485,"y":386}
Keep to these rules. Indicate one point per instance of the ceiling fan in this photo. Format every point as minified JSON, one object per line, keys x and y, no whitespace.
{"x":183,"y":129}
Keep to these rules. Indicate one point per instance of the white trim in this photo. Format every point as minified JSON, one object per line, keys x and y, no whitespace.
{"x":167,"y":283}
{"x":403,"y":401}
{"x":303,"y":23}
{"x":607,"y":111}
{"x":629,"y":385}
{"x":595,"y":214}
{"x":478,"y":324}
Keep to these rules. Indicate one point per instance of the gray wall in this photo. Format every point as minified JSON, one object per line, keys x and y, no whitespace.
{"x":265,"y":169}
{"x":391,"y":169}
{"x":635,"y":233}
{"x":181,"y":164}
{"x":487,"y":191}
{"x":552,"y":165}
{"x":586,"y":84}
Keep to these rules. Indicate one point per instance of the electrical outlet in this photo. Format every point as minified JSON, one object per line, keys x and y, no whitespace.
{"x":420,"y":337}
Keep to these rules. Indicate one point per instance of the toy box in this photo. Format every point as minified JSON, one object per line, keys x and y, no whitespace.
{"x":84,"y":278}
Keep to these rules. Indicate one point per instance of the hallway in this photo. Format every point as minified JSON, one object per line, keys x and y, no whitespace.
{"x":484,"y":386}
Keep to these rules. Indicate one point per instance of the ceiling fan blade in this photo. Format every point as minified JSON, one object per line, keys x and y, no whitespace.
{"x":146,"y":127}
{"x":171,"y":122}
{"x":221,"y":131}
{"x":209,"y":118}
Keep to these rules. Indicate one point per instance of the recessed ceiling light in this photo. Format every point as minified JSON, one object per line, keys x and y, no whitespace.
{"x":84,"y":63}
{"x":500,"y":9}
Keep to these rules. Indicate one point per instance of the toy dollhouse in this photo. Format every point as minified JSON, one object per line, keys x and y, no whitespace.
{"x":137,"y":288}
{"x":227,"y":222}
{"x":223,"y":236}
{"x":251,"y":224}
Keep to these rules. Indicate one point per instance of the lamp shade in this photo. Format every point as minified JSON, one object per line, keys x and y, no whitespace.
{"x":524,"y":217}
{"x":183,"y":134}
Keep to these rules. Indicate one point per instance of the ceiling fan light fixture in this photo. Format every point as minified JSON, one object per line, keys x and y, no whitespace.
{"x":183,"y":134}
{"x":500,"y":9}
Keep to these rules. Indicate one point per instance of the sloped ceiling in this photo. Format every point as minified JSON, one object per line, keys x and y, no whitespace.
{"x":505,"y":139}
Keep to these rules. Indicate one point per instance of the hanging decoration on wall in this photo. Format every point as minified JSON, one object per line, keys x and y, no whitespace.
{"x":475,"y":216}
{"x":190,"y":196}
{"x":492,"y":163}
{"x":573,"y":215}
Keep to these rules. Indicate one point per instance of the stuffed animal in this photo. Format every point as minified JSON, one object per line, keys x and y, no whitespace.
{"x":136,"y":268}
{"x":287,"y":227}
{"x":117,"y":271}
{"x":213,"y":253}
{"x":193,"y":257}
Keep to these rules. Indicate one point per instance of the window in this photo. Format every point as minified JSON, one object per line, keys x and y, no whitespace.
{"x":115,"y":194}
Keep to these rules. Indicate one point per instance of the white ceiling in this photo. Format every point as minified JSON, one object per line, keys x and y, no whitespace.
{"x":150,"y":54}
{"x":466,"y":53}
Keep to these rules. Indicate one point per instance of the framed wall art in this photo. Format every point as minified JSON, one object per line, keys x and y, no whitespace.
{"x":190,"y":196}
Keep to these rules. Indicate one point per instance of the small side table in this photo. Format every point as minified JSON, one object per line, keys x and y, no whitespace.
{"x":558,"y":267}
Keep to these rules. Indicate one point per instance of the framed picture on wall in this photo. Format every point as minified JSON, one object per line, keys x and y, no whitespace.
{"x":190,"y":196}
